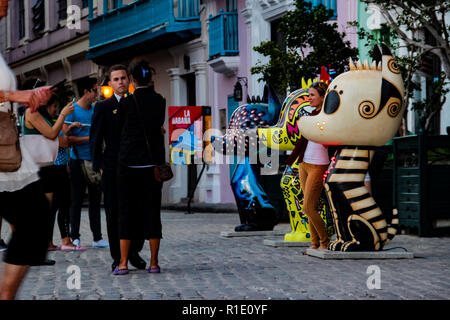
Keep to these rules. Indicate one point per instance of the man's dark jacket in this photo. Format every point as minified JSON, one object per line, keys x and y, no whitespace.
{"x":104,"y":134}
{"x":134,"y":123}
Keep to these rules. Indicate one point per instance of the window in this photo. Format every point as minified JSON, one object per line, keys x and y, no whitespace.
{"x":62,"y":9}
{"x":21,"y":19}
{"x":275,"y":35}
{"x":38,"y":10}
{"x":84,"y":3}
{"x":231,"y":5}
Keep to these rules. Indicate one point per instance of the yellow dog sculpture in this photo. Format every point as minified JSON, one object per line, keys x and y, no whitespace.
{"x":284,"y":136}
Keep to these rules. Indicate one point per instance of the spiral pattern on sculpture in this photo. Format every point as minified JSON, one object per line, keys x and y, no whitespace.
{"x":393,"y":66}
{"x":394,"y":109}
{"x":367,"y":109}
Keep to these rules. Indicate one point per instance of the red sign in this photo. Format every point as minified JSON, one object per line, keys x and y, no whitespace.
{"x":183,"y":117}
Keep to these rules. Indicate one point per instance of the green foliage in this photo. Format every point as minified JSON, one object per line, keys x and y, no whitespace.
{"x":407,"y":64}
{"x":415,"y":17}
{"x":310,"y":41}
{"x":432,"y":105}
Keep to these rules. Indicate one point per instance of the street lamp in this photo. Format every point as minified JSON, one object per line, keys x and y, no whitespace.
{"x":107,"y":91}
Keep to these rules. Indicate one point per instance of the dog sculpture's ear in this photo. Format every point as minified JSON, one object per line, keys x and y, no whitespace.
{"x":376,"y":55}
{"x":385,"y":50}
{"x":274,"y":102}
{"x":265,"y":98}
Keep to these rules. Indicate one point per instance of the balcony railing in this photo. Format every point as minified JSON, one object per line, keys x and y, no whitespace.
{"x":187,"y":9}
{"x":142,"y":20}
{"x":183,"y":9}
{"x":223,"y":34}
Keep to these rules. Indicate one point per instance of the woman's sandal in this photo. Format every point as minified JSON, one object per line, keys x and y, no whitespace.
{"x":72,"y":248}
{"x":118,"y":272}
{"x":312,"y":247}
{"x":325,"y":245}
{"x":154,"y":270}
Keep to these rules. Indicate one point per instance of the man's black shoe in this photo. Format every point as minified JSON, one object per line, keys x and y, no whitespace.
{"x":136,"y":261}
{"x":46,"y":262}
{"x":114,"y":265}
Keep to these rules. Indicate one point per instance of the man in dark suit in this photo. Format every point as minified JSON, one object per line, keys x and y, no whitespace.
{"x":104,"y":150}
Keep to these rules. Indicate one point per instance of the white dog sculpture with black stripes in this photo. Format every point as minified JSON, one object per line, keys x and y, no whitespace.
{"x":362,"y":110}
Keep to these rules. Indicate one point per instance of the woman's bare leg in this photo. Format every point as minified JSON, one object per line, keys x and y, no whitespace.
{"x":124,"y":249}
{"x":11,"y":279}
{"x":67,"y":242}
{"x":154,"y":250}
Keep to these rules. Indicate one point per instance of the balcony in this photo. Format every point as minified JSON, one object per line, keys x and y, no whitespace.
{"x":140,"y":27}
{"x":329,"y":4}
{"x":223,"y":42}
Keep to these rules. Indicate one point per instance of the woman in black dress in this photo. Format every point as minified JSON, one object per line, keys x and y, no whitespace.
{"x":140,"y":118}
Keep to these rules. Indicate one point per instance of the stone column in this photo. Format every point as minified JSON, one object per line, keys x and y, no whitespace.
{"x":47,"y":16}
{"x":209,"y":185}
{"x":8,"y":30}
{"x":201,"y":84}
{"x":26,"y":39}
{"x":178,"y":186}
{"x":174,"y":78}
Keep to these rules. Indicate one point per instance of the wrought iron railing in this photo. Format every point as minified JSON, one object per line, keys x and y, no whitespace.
{"x":128,"y":20}
{"x":223,"y":34}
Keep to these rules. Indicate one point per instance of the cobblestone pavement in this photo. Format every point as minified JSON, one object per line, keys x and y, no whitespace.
{"x":197,"y":263}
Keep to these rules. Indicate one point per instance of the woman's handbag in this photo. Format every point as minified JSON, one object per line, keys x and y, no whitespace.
{"x":163,"y":172}
{"x":44,"y":151}
{"x":10,"y":155}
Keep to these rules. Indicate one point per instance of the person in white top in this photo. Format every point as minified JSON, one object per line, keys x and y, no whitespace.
{"x":311,"y":171}
{"x":22,"y":201}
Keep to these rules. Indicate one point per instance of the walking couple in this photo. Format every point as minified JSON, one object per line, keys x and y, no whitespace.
{"x":120,"y":153}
